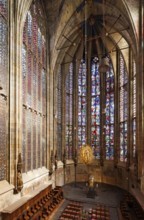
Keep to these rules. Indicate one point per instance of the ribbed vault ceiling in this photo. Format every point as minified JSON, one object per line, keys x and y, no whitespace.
{"x":102,"y":25}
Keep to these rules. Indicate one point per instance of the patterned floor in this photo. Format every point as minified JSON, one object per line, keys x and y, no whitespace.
{"x":105,"y":195}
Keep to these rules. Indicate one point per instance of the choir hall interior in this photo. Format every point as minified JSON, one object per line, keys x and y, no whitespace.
{"x":71,"y":109}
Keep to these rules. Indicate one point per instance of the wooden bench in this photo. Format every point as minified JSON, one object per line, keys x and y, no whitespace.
{"x":129,"y":207}
{"x":37,"y":206}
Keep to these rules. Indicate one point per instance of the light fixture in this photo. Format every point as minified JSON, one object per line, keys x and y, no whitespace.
{"x":104,"y":63}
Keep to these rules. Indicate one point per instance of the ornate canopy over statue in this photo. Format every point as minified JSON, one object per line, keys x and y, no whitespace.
{"x":86,"y":154}
{"x":86,"y":157}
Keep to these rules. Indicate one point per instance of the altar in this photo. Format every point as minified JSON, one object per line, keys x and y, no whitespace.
{"x":91,"y":187}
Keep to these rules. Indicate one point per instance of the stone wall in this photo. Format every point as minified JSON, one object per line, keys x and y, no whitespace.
{"x":109,"y":174}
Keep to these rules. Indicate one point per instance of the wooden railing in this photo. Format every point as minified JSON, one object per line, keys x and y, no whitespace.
{"x":130,"y":208}
{"x":40,"y":206}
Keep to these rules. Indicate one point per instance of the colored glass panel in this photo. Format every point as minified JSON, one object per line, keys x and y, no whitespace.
{"x":123,"y":110}
{"x":58,"y":115}
{"x":24,"y":71}
{"x":44,"y":143}
{"x":95,"y":108}
{"x":4,"y":83}
{"x":29,"y":76}
{"x":44,"y":91}
{"x":3,"y":142}
{"x":39,"y":43}
{"x":35,"y":35}
{"x":29,"y":138}
{"x":34,"y":140}
{"x":29,"y":30}
{"x":82,"y":89}
{"x":4,"y":8}
{"x":34,"y":87}
{"x":24,"y":140}
{"x":39,"y":149}
{"x":69,"y":111}
{"x":134,"y":106}
{"x":34,"y":83}
{"x":25,"y":32}
{"x":109,"y":112}
{"x":3,"y":52}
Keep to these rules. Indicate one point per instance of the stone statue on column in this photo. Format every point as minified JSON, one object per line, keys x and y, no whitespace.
{"x":19,"y":174}
{"x":51,"y":163}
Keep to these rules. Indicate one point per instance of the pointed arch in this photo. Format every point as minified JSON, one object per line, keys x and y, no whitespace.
{"x":34,"y":89}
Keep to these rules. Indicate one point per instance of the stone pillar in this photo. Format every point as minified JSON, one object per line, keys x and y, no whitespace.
{"x":140,"y":101}
{"x":18,"y":12}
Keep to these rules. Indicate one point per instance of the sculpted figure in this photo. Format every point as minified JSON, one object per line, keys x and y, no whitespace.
{"x":91,"y":181}
{"x":19,"y":181}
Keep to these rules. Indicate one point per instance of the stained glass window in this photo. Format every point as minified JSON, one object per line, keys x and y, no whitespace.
{"x":43,"y":152}
{"x":39,"y":149}
{"x":4,"y":84}
{"x":82,"y":88}
{"x":29,"y":78}
{"x":43,"y":79}
{"x":34,"y":123}
{"x":123,"y":80}
{"x":43,"y":119}
{"x":3,"y":142}
{"x":109,"y":111}
{"x":4,"y":8}
{"x":29,"y":140}
{"x":69,"y":112}
{"x":34,"y":89}
{"x":24,"y":72}
{"x":58,"y":115}
{"x":95,"y":108}
{"x":29,"y":30}
{"x":3,"y":44}
{"x":134,"y":106}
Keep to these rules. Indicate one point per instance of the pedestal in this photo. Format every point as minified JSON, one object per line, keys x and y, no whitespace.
{"x":91,"y":193}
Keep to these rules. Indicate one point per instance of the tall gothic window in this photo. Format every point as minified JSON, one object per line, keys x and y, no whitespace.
{"x":123,"y":83}
{"x":34,"y":89}
{"x":82,"y":104}
{"x":69,"y":112}
{"x":88,"y":98}
{"x":109,"y":111}
{"x":95,"y":108}
{"x":4,"y":81}
{"x":58,"y":115}
{"x":134,"y":107}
